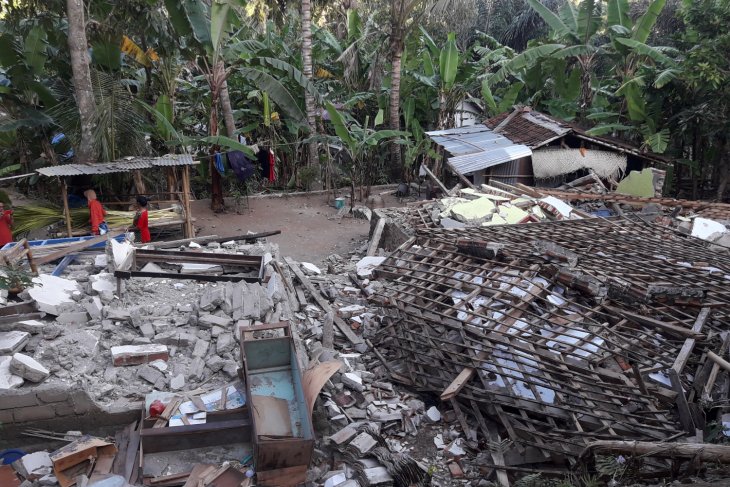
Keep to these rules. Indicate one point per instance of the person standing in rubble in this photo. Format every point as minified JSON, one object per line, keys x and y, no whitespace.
{"x":141,"y":219}
{"x":97,"y":213}
{"x":6,"y":223}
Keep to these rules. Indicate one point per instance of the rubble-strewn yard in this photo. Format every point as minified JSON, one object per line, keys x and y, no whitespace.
{"x":473,"y":354}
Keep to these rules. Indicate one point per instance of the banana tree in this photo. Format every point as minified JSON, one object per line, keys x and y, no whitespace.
{"x":358,"y":143}
{"x":206,"y":25}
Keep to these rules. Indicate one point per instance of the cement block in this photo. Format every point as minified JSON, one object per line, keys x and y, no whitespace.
{"x":147,"y":330}
{"x":209,"y":321}
{"x":150,"y":374}
{"x":94,"y":307}
{"x":13,"y":341}
{"x":225,"y":343}
{"x":53,"y":394}
{"x":196,"y":368}
{"x":212,"y":298}
{"x":34,"y":413}
{"x":119,"y":314}
{"x":138,"y":354}
{"x":201,"y":348}
{"x":177,"y":382}
{"x":28,"y":368}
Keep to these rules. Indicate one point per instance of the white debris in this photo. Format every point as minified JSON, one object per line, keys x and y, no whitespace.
{"x":123,"y":255}
{"x":311,"y":269}
{"x":433,"y":414}
{"x":52,"y":293}
{"x":28,"y":368}
{"x":705,"y":228}
{"x":8,"y":380}
{"x":366,"y":265}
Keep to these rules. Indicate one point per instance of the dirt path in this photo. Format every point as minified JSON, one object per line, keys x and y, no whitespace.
{"x":309,"y":228}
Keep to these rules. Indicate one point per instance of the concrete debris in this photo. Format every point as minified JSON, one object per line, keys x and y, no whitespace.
{"x":138,"y":354}
{"x":53,"y":294}
{"x":310,"y":269}
{"x":366,"y":265}
{"x":34,"y":465}
{"x":28,"y":368}
{"x":363,"y":444}
{"x":13,"y":341}
{"x":8,"y":380}
{"x":433,"y":414}
{"x":30,"y":326}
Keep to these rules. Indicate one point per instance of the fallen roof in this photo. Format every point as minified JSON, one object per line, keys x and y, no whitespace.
{"x":122,"y":165}
{"x":535,"y":129}
{"x":477,"y":147}
{"x":542,"y":337}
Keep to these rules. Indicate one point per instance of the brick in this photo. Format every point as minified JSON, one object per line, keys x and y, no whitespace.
{"x":138,"y":354}
{"x":13,"y":401}
{"x":53,"y":394}
{"x":34,"y":413}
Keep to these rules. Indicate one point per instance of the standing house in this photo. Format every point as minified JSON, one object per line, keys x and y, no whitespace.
{"x":525,"y":146}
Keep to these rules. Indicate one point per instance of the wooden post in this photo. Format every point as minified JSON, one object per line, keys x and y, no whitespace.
{"x":188,"y":229}
{"x":66,"y":211}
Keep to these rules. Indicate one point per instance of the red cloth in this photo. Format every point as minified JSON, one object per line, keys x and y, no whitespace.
{"x":97,"y":214}
{"x":6,"y":221}
{"x":143,"y":226}
{"x":272,"y":161}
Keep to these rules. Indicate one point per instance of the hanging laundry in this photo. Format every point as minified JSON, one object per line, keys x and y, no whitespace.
{"x":220,"y":167}
{"x":241,"y":165}
{"x":272,"y":163}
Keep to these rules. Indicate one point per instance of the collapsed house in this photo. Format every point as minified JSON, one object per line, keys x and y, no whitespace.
{"x":525,"y":146}
{"x":555,"y":335}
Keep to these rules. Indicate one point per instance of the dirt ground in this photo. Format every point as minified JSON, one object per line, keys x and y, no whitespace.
{"x":310,"y":228}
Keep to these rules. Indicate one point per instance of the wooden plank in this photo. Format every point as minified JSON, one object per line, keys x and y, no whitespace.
{"x":377,"y":236}
{"x":66,"y":210}
{"x":130,"y":465}
{"x":458,"y":383}
{"x":707,"y":390}
{"x":188,"y":230}
{"x":719,"y":360}
{"x":435,"y":179}
{"x":188,"y":277}
{"x":685,"y":415}
{"x":667,"y":327}
{"x":317,"y":296}
{"x":168,"y":412}
{"x":689,"y":344}
{"x":63,"y":264}
{"x":76,"y":247}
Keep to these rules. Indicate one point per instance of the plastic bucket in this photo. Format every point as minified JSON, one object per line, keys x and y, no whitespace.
{"x":339,"y":203}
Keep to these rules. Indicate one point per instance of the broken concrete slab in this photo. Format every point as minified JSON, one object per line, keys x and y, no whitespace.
{"x":94,"y":307}
{"x":150,"y":374}
{"x":473,"y":211}
{"x":353,"y":381}
{"x":73,"y":318}
{"x":13,"y":341}
{"x":102,"y":282}
{"x":28,"y":368}
{"x":706,"y":229}
{"x":201,"y":348}
{"x":366,"y":265}
{"x":310,"y":269}
{"x":225,"y":343}
{"x":433,"y":414}
{"x":34,"y":465}
{"x":29,"y":326}
{"x":138,"y":354}
{"x":53,"y":294}
{"x":8,"y":380}
{"x":123,"y":254}
{"x":212,"y":298}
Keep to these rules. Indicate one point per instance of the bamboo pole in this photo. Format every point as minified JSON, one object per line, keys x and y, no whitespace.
{"x":704,"y":451}
{"x":188,"y":230}
{"x":66,"y":211}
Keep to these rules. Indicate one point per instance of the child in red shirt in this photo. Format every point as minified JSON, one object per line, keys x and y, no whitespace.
{"x":96,"y":211}
{"x":141,"y":220}
{"x":6,"y":223}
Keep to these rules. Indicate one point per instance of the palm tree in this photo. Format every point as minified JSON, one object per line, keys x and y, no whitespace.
{"x":309,"y":104}
{"x":78,"y":48}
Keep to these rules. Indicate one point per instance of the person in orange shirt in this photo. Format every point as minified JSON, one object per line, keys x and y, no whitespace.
{"x":96,"y":212}
{"x":6,"y":223}
{"x":141,"y":219}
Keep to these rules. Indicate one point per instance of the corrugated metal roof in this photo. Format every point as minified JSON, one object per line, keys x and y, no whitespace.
{"x":477,"y":147}
{"x":122,"y":165}
{"x":482,"y":160}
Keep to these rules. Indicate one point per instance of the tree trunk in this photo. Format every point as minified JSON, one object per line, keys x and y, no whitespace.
{"x":217,"y":204}
{"x":83,"y":90}
{"x":309,"y":103}
{"x":396,"y":52}
{"x":702,"y":451}
{"x":227,"y":110}
{"x":139,"y":182}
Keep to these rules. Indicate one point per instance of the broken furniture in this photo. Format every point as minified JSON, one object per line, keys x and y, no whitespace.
{"x":282,"y":435}
{"x":87,"y":456}
{"x":233,"y":267}
{"x":12,"y":255}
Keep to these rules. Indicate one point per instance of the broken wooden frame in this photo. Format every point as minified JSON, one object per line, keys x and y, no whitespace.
{"x":525,"y":340}
{"x":254,"y":265}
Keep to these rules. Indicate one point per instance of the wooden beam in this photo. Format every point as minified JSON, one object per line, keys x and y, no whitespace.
{"x":685,"y":415}
{"x":317,"y":296}
{"x":435,"y":179}
{"x":667,"y":327}
{"x":707,"y":390}
{"x":188,"y":231}
{"x":66,"y":211}
{"x":76,"y":247}
{"x":377,"y":236}
{"x":707,"y":452}
{"x":689,"y":344}
{"x":719,"y":360}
